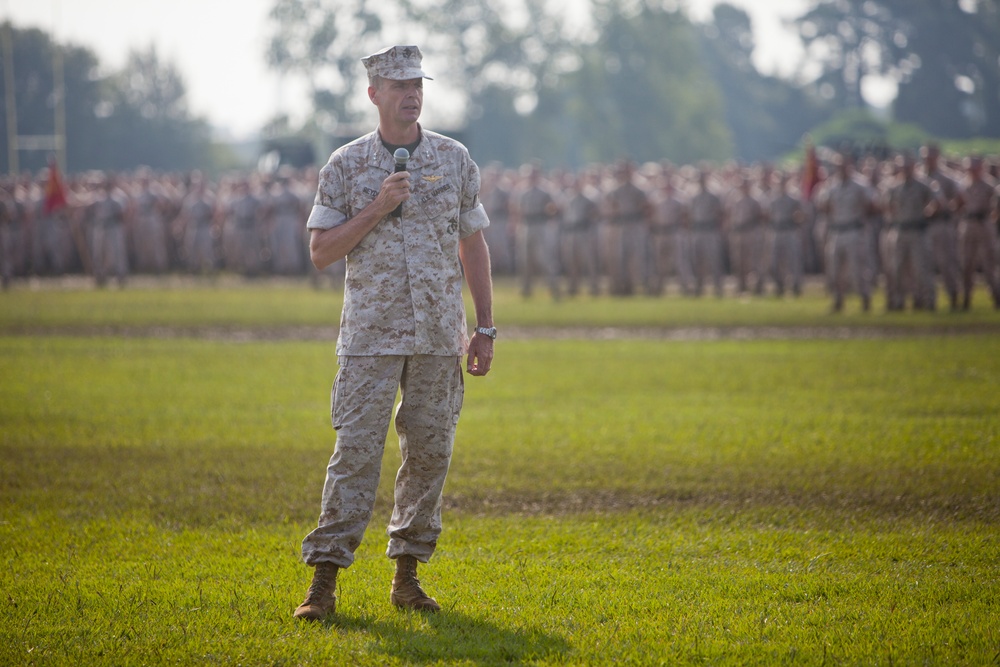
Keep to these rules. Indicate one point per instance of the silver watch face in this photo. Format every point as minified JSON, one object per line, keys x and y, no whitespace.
{"x":487,"y":331}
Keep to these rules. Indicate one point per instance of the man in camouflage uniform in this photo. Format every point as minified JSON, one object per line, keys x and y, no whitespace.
{"x":198,"y":223}
{"x":910,"y":205}
{"x":846,"y":204}
{"x":403,"y":326}
{"x":629,"y":214}
{"x":707,"y":217}
{"x":977,"y":233}
{"x":786,"y":217}
{"x":942,"y":231}
{"x":536,"y":224}
{"x":110,"y":217}
{"x":578,"y":235}
{"x":284,"y":217}
{"x":669,"y":239}
{"x":242,"y":234}
{"x":746,"y":239}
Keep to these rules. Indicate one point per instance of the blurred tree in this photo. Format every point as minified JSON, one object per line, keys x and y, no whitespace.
{"x":767,"y":115}
{"x":35,"y":97}
{"x":954,"y":88}
{"x":642,"y":90}
{"x":944,"y":54}
{"x":144,"y":119}
{"x":322,"y":41}
{"x":134,"y":117}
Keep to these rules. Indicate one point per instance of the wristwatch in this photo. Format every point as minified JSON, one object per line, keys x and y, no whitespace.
{"x":487,"y":331}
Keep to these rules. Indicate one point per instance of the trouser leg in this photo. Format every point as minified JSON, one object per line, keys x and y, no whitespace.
{"x":361,"y":408}
{"x":432,"y":394}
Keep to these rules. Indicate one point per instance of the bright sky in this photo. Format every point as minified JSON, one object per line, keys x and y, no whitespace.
{"x":218,"y":46}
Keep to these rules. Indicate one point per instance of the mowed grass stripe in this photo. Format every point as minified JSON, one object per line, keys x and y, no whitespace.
{"x":641,"y":502}
{"x":897,"y":426}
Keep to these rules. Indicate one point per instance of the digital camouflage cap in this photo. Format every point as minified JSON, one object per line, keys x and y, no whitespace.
{"x":397,"y":63}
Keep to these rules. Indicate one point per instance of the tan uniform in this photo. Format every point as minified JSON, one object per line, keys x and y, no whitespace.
{"x":10,"y":238}
{"x":847,"y":203}
{"x":785,"y":240}
{"x":578,"y":240}
{"x":149,"y":233}
{"x":242,"y":235}
{"x":284,"y":238}
{"x":746,"y":243}
{"x":906,"y":244}
{"x":942,"y":237}
{"x":403,"y":327}
{"x":627,"y":209}
{"x":107,"y":238}
{"x":977,"y":239}
{"x":496,"y":201}
{"x":198,"y":213}
{"x":537,"y":238}
{"x":669,"y":244}
{"x":706,"y":240}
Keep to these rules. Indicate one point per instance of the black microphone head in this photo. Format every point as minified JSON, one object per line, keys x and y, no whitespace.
{"x":401,"y":155}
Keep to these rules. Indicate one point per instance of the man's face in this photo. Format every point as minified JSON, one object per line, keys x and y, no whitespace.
{"x":400,"y":101}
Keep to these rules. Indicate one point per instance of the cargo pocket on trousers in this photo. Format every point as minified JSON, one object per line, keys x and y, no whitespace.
{"x":458,"y":393}
{"x":336,"y":393}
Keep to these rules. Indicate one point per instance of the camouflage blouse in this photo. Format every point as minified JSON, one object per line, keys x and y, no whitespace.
{"x":403,"y":290}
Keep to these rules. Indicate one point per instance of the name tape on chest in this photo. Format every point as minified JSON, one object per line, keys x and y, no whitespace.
{"x":436,"y":192}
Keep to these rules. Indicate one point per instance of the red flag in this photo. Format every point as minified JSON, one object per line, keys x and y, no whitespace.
{"x":810,"y":173}
{"x":55,"y":191}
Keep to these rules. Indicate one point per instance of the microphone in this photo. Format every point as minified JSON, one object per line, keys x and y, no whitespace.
{"x":401,"y":156}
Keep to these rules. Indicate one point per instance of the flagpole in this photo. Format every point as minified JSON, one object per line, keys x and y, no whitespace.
{"x":8,"y":80}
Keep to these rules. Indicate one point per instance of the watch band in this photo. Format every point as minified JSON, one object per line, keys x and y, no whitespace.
{"x":487,"y":331}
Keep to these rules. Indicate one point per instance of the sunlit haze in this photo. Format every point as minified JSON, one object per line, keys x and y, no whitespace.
{"x":218,"y":46}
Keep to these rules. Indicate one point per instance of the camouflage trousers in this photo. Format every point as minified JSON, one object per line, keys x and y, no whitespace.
{"x":786,"y":259}
{"x":845,"y":264}
{"x":908,"y":268}
{"x":978,"y":250}
{"x":432,"y":389}
{"x":748,"y":257}
{"x":538,"y":254}
{"x":108,"y":253}
{"x":706,"y":259}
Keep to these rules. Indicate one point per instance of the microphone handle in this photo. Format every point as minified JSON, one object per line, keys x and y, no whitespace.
{"x":398,"y":211}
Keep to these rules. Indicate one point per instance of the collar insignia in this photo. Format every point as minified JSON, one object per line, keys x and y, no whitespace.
{"x":432,"y":179}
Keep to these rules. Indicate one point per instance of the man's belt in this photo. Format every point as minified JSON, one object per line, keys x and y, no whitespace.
{"x":785,"y":225}
{"x":663,"y":231}
{"x":977,"y":216}
{"x":912,"y":225}
{"x":846,"y":227}
{"x":536,"y":218}
{"x":627,"y":219}
{"x":705,"y":226}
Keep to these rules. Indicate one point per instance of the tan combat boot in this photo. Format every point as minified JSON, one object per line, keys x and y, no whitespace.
{"x":321,"y":601}
{"x":406,"y":591}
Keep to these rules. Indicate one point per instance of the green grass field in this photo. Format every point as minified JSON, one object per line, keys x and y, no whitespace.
{"x":830,"y":498}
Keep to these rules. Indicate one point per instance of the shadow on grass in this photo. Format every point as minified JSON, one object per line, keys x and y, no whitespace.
{"x":449,"y":636}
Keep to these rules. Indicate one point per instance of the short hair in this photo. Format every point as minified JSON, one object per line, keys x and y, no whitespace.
{"x":374,"y":80}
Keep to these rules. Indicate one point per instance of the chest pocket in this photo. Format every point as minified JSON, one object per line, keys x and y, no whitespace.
{"x":438,"y":200}
{"x":364,"y":193}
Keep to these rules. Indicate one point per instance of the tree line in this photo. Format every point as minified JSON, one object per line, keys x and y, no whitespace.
{"x":520,"y":80}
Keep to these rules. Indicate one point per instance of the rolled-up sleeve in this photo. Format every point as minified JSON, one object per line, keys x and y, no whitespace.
{"x":473,"y":221}
{"x":322,"y":217}
{"x":472,"y":215}
{"x":330,"y":207}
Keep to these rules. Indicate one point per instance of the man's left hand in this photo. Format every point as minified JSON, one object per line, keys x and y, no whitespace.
{"x":480,"y":354}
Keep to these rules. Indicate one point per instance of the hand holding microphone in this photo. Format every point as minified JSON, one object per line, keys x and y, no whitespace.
{"x":401,"y":156}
